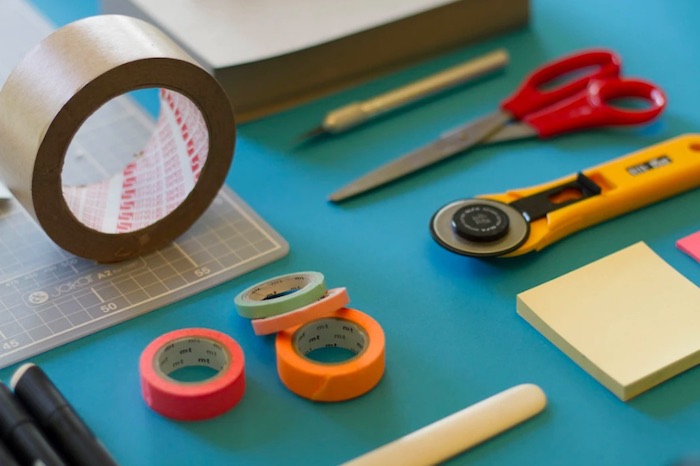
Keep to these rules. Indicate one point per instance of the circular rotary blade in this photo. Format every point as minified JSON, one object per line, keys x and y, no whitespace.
{"x":479,"y":227}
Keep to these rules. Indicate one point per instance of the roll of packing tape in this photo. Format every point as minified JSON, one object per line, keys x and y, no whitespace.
{"x":280,"y":294}
{"x":346,"y":328}
{"x":165,"y":189}
{"x":333,"y":300}
{"x":191,"y":401}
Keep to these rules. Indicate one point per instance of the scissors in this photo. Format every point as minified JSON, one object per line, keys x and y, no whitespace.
{"x":583,"y":101}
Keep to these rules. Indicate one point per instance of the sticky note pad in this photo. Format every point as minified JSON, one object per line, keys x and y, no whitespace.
{"x":629,"y":319}
{"x":690,"y":245}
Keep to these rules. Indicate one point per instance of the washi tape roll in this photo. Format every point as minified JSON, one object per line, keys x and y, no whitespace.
{"x":334,"y":299}
{"x":281,"y":294}
{"x":347,"y":328}
{"x":165,"y":189}
{"x":191,"y":401}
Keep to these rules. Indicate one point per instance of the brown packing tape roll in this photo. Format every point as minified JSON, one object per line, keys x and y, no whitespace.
{"x":163,"y":191}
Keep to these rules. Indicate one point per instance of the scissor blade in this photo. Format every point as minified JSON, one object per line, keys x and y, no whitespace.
{"x":450,"y":143}
{"x":510,"y":132}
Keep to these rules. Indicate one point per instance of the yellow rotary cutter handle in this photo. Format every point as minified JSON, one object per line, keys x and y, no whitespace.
{"x":524,"y":220}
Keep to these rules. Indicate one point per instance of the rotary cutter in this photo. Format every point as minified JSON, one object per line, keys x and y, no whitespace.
{"x":524,"y":220}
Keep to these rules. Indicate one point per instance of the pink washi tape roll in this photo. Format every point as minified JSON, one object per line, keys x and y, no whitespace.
{"x":192,"y":401}
{"x":333,"y":300}
{"x":168,"y":184}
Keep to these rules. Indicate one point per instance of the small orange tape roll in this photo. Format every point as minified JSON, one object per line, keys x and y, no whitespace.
{"x":346,"y":328}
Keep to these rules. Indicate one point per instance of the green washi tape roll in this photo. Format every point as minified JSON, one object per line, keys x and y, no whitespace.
{"x":280,"y":294}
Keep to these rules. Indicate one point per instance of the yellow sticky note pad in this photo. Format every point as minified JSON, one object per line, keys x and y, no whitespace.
{"x":629,"y":319}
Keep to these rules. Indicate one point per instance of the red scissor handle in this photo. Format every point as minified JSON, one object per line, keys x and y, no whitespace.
{"x":531,"y":96}
{"x":592,"y":107}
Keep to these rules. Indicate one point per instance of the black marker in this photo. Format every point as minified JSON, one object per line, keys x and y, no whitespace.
{"x":19,"y":432}
{"x":6,"y":456}
{"x":58,"y":419}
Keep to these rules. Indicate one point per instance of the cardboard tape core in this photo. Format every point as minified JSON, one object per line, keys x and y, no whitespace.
{"x":156,"y":182}
{"x":330,"y":333}
{"x":64,"y":80}
{"x":188,"y":352}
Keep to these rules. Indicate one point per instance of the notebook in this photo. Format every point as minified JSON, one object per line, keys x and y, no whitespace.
{"x":272,"y":54}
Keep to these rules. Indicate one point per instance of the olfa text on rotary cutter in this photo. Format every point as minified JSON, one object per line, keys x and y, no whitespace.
{"x":524,"y":220}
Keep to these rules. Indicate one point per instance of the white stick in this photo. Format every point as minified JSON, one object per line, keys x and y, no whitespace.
{"x":460,"y":431}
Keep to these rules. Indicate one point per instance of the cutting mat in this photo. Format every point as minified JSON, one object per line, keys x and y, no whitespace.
{"x":48,"y":296}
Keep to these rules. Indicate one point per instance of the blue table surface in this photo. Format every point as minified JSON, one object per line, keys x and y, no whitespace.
{"x":453,"y":336}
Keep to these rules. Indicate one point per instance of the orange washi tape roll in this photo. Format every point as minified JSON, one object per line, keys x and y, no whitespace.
{"x":333,"y":300}
{"x":346,"y":328}
{"x":191,"y":401}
